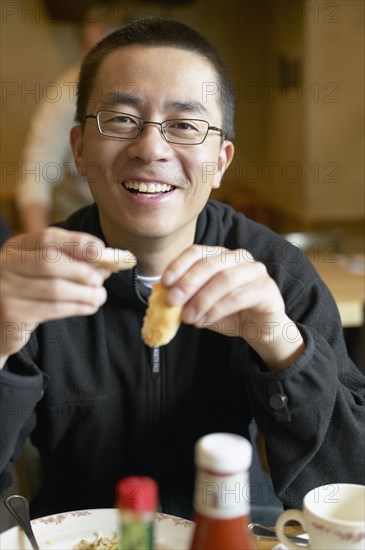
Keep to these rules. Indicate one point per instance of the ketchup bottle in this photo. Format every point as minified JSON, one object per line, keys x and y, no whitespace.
{"x":222,"y":493}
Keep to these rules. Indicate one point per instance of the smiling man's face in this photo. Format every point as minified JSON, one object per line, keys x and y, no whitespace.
{"x":147,"y":187}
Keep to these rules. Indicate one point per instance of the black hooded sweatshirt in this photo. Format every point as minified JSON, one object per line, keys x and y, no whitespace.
{"x":100,"y":405}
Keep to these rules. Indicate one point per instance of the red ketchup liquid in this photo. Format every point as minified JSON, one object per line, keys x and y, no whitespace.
{"x":221,"y":534}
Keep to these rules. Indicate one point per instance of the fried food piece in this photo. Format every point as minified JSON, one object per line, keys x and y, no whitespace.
{"x":115,"y":259}
{"x":161,"y":321}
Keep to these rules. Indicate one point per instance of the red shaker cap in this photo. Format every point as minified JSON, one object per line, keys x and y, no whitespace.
{"x":137,"y":493}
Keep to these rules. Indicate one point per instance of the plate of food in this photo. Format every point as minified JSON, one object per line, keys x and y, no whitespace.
{"x":94,"y":530}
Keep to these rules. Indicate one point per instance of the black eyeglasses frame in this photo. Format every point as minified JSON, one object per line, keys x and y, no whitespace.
{"x":142,"y":124}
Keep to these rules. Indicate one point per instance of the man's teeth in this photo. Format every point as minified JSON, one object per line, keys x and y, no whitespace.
{"x":148,"y":188}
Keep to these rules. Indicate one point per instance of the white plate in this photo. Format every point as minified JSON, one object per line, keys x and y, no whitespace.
{"x":64,"y":531}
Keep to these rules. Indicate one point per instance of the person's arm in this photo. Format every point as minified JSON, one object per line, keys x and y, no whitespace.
{"x":307,"y":398}
{"x":52,"y":274}
{"x":46,"y":151}
{"x":19,"y":395}
{"x":43,"y":276}
{"x":34,"y":217}
{"x":311,"y":414}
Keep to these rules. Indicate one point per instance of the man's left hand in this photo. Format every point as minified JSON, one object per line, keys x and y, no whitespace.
{"x":229,"y":292}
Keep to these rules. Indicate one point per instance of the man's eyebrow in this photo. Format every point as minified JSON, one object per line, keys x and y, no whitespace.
{"x":113,"y":98}
{"x":188,"y":107}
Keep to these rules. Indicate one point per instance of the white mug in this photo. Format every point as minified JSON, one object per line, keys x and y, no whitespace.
{"x":333,"y":516}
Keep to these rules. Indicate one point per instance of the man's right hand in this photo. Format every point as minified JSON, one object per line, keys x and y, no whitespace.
{"x":47,"y":275}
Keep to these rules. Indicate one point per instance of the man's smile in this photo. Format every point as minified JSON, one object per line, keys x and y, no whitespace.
{"x":150,"y":188}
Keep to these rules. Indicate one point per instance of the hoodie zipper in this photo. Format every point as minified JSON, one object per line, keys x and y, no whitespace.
{"x":155,"y":352}
{"x":155,"y":360}
{"x":155,"y":407}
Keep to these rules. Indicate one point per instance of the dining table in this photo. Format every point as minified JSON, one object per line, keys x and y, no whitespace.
{"x":264,"y":544}
{"x":344,"y":276}
{"x":260,"y":544}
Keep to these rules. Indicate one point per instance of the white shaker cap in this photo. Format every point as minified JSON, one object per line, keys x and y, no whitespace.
{"x":223,"y":453}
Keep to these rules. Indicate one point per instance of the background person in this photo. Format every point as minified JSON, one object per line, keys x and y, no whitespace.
{"x":50,"y":187}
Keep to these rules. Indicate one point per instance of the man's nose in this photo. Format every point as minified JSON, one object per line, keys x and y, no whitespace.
{"x":157,"y":124}
{"x":150,"y":144}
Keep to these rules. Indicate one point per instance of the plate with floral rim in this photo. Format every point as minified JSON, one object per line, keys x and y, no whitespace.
{"x":64,"y":531}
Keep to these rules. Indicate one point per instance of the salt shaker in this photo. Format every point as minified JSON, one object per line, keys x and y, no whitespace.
{"x":136,"y":498}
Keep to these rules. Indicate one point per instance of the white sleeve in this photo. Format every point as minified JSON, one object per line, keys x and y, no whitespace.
{"x":47,"y":152}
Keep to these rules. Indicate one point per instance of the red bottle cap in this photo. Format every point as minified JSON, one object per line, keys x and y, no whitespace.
{"x":137,"y":493}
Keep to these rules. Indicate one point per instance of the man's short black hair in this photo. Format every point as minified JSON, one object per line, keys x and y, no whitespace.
{"x":156,"y":31}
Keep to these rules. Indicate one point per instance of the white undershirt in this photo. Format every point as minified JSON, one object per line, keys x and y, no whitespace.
{"x":148,"y":281}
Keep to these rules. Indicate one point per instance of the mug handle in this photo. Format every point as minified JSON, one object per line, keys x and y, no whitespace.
{"x":286,"y":516}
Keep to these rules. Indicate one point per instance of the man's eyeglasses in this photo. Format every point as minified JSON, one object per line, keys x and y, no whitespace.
{"x":182,"y":131}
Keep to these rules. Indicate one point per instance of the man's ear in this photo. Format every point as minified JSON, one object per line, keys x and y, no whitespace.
{"x":77,"y":143}
{"x":225,"y":157}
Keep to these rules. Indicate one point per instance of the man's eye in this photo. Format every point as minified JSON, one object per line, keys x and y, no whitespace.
{"x":121,"y":119}
{"x":184,"y":125}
